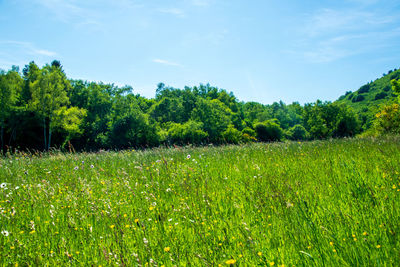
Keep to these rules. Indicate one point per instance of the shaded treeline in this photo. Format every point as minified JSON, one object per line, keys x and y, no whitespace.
{"x":42,"y":108}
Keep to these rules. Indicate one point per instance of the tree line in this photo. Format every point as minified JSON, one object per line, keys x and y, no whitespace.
{"x":42,"y":108}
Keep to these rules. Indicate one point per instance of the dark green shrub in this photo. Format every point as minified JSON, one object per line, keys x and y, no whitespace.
{"x":358,"y":98}
{"x":232,"y":135}
{"x":380,"y":95}
{"x":364,"y":89}
{"x":269,"y":131}
{"x":297,"y":132}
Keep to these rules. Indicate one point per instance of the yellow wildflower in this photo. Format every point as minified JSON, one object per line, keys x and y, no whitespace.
{"x":231,"y":261}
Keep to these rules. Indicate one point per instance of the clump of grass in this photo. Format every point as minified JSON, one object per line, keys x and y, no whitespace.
{"x":317,"y":203}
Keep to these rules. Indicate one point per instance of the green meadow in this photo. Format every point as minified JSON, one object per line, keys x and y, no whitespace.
{"x":320,"y":203}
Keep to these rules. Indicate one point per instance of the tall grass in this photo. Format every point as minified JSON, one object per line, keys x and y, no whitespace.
{"x":333,"y":203}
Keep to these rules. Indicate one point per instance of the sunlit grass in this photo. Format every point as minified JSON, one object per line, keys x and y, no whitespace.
{"x":327,"y":202}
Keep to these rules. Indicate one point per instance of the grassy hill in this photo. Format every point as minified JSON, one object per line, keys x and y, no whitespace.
{"x":368,"y":99}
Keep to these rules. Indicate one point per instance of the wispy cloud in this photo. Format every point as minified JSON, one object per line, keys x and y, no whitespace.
{"x":327,"y":21}
{"x":166,"y":62}
{"x":201,"y":3}
{"x":72,"y":11}
{"x":44,"y":52}
{"x":332,"y":34}
{"x":20,"y":53}
{"x":28,"y":47}
{"x":214,"y":38}
{"x":173,"y":11}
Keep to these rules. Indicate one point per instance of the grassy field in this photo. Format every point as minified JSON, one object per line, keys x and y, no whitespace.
{"x":333,"y":203}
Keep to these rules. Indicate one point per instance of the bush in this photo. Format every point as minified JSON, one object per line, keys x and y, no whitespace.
{"x":232,"y":135}
{"x":364,"y":89}
{"x":380,"y":95}
{"x":188,"y":133}
{"x":358,"y":98}
{"x":133,"y":130}
{"x":387,"y":121}
{"x":297,"y":132}
{"x":269,"y":131}
{"x":248,"y":138}
{"x":350,"y":96}
{"x":249,"y":132}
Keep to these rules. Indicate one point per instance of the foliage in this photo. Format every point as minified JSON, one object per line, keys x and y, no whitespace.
{"x":324,"y":120}
{"x":388,"y":120}
{"x":188,"y":133}
{"x":375,"y":94}
{"x":49,"y":94}
{"x":358,"y":98}
{"x":70,"y":120}
{"x":43,"y":104}
{"x":269,"y":131}
{"x":133,"y":130}
{"x":396,"y":86}
{"x":380,"y":95}
{"x":297,"y":132}
{"x":214,"y":115}
{"x":232,"y":135}
{"x":10,"y":84}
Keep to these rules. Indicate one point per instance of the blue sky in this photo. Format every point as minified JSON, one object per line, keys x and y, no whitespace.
{"x":262,"y":50}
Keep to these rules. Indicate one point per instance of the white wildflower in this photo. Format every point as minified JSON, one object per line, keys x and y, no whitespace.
{"x":5,"y":232}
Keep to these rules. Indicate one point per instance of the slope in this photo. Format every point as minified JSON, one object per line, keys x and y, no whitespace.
{"x":369,"y":98}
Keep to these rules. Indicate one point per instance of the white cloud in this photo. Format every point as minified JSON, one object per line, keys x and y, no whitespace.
{"x":20,"y":53}
{"x":166,"y":62}
{"x":44,"y":52}
{"x":173,"y":11}
{"x":201,"y":3}
{"x":27,"y":47}
{"x":333,"y":34}
{"x":74,"y":12}
{"x":214,"y":38}
{"x":64,"y":10}
{"x":327,"y":21}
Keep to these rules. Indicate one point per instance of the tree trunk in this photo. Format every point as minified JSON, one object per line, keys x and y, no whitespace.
{"x":44,"y":133}
{"x":2,"y":134}
{"x":49,"y":143}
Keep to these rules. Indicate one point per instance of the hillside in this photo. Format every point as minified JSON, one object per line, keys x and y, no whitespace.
{"x":368,"y":98}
